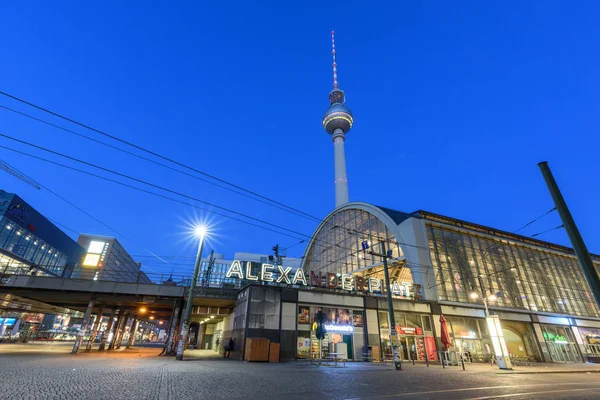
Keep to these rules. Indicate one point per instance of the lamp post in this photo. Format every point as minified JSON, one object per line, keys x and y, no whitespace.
{"x":201,"y":232}
{"x":494,"y":327}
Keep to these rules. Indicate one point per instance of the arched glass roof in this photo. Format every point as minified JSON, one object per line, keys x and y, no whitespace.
{"x":336,"y":246}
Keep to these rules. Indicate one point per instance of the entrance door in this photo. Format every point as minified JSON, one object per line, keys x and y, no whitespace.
{"x":348,"y":341}
{"x":411,"y":348}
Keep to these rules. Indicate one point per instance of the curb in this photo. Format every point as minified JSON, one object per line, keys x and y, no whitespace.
{"x":594,"y":371}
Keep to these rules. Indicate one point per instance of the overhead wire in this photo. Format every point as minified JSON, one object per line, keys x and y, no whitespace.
{"x":147,"y":159}
{"x":113,"y":137}
{"x":147,"y":183}
{"x":153,"y":153}
{"x":133,"y":154}
{"x":100,"y":221}
{"x":146,"y":191}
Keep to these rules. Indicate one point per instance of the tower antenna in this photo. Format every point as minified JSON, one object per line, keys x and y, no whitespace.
{"x":335,"y":81}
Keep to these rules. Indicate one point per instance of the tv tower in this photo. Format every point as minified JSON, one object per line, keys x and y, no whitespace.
{"x":337,"y":122}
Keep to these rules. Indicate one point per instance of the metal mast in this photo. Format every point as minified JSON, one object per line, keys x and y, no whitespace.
{"x":17,"y":174}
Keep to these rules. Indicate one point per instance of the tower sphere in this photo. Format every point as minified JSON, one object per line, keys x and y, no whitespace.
{"x":337,"y":116}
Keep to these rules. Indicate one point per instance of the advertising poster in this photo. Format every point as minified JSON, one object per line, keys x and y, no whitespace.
{"x":304,"y":316}
{"x":430,"y":343}
{"x":357,"y":319}
{"x":342,"y":316}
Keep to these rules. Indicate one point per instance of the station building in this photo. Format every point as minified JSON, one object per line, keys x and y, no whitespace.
{"x":438,"y":266}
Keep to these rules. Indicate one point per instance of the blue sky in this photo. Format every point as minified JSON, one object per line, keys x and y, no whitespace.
{"x":454,"y":105}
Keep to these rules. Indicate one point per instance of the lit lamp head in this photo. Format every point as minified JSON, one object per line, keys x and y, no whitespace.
{"x":201,"y":230}
{"x":142,"y":310}
{"x":474,"y":296}
{"x":494,"y":296}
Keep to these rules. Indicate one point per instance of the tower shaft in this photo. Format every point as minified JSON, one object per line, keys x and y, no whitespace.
{"x":341,"y":179}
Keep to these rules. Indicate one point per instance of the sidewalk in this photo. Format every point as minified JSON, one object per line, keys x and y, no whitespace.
{"x":539,"y":368}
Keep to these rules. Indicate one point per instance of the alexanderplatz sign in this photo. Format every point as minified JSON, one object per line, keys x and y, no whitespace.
{"x":282,"y":275}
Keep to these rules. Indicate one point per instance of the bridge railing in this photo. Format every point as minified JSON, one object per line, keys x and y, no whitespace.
{"x":142,"y":277}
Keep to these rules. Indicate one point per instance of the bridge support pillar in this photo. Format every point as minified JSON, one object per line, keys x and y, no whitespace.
{"x":109,"y":327}
{"x":131,"y":340}
{"x":84,"y":324}
{"x":111,"y":346}
{"x":95,"y":328}
{"x":171,"y":340}
{"x":122,"y":332}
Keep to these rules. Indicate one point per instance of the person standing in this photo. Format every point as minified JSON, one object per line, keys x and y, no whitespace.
{"x":230,"y":346}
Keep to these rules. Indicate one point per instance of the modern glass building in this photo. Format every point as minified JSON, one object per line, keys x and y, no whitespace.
{"x":32,"y":245}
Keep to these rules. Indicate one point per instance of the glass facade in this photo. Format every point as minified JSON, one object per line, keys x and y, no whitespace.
{"x":216,"y":275}
{"x":27,"y":246}
{"x":521,"y":276}
{"x":337,"y":246}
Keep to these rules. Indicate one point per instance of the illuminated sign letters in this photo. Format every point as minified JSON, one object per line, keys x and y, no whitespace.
{"x":339,"y":328}
{"x":299,"y":277}
{"x":346,"y":282}
{"x":283,"y":274}
{"x":265,"y":273}
{"x":235,"y":270}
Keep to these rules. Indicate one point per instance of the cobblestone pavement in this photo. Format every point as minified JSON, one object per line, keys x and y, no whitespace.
{"x":50,"y":372}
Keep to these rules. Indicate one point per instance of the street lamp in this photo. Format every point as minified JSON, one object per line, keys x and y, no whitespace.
{"x":494,"y":327}
{"x":201,"y":231}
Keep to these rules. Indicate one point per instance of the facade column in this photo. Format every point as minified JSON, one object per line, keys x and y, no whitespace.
{"x":109,"y":327}
{"x":120,"y":339}
{"x":95,"y":328}
{"x":83,"y":328}
{"x":111,"y":346}
{"x":131,"y":340}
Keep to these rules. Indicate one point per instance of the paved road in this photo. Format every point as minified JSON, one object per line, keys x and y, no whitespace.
{"x":51,"y":373}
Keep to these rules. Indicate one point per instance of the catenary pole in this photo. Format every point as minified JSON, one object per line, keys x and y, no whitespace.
{"x":585,"y":260}
{"x":397,"y":361}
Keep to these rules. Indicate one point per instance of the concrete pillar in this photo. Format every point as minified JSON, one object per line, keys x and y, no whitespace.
{"x":111,"y":346}
{"x":122,"y":333}
{"x":131,"y":340}
{"x":170,"y":343}
{"x":83,"y":328}
{"x":339,"y":159}
{"x":109,"y":327}
{"x":95,"y":328}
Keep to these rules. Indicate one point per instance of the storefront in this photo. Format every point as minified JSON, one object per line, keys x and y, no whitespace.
{"x":414,"y":336}
{"x":591,"y":340}
{"x":561,"y":343}
{"x":344,"y":326}
{"x":467,"y":336}
{"x":520,"y":340}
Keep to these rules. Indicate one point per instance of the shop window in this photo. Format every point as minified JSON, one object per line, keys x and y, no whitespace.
{"x":384,"y":323}
{"x":426,"y":323}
